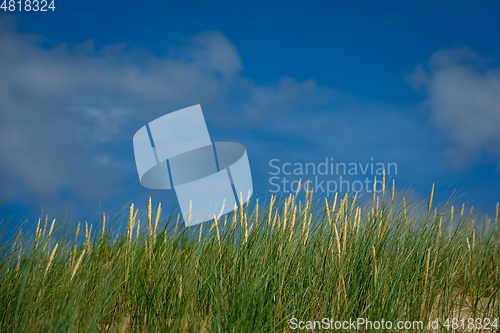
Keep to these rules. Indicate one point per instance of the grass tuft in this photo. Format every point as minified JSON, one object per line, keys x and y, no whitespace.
{"x":374,"y":258}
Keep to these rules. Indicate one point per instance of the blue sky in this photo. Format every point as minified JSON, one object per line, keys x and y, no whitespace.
{"x":412,"y":84}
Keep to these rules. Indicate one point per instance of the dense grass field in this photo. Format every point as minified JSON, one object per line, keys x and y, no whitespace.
{"x":267,"y":267}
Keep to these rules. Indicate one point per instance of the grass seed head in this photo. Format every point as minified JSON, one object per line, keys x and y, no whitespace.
{"x":384,"y":226}
{"x":292,"y":224}
{"x":353,"y":203}
{"x":430,"y":200}
{"x":37,"y":234}
{"x":327,"y":210}
{"x":77,"y":231}
{"x":256,"y":211}
{"x":383,"y":183}
{"x":130,"y":226}
{"x":189,"y":214}
{"x":18,"y":236}
{"x":42,"y":238}
{"x":392,"y":191}
{"x":199,"y":235}
{"x":150,"y":227}
{"x":473,"y":237}
{"x":358,"y":219}
{"x":246,"y":228}
{"x":337,"y":239}
{"x":307,"y":229}
{"x":276,"y":217}
{"x":51,"y":259}
{"x":233,"y":218}
{"x":270,"y":210}
{"x":51,"y":228}
{"x":298,"y":188}
{"x":137,"y":230}
{"x":177,"y":222}
{"x":103,"y":232}
{"x":18,"y":261}
{"x":45,"y":226}
{"x":78,"y":263}
{"x":334,"y":203}
{"x":88,"y":232}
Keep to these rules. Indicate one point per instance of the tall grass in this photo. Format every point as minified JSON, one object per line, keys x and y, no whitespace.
{"x":255,"y":269}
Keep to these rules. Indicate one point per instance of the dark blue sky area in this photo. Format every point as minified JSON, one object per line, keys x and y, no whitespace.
{"x":406,"y":83}
{"x":357,"y":46}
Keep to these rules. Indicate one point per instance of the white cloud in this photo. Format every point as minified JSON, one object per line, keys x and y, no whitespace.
{"x":68,"y":113}
{"x":60,"y":106}
{"x":464,"y":98}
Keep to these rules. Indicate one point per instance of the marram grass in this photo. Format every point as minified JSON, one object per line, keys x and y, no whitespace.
{"x":254,"y":270}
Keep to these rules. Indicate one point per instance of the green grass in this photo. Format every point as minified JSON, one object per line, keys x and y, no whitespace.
{"x":391,"y":261}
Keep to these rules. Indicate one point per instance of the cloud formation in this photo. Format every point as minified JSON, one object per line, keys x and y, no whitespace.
{"x":68,"y":112}
{"x":463,"y":92}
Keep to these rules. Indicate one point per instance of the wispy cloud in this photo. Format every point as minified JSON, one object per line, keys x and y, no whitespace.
{"x":463,"y":92}
{"x":69,"y":111}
